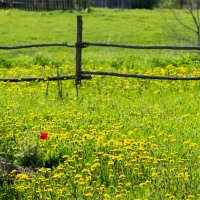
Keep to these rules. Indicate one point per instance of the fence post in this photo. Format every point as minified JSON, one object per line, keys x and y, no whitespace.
{"x":78,"y":50}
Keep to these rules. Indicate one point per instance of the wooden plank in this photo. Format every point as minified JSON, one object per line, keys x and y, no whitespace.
{"x":35,"y":45}
{"x":37,"y":79}
{"x":86,"y":44}
{"x":140,"y":76}
{"x":79,"y":50}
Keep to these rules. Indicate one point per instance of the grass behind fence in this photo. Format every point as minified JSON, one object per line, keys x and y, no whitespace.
{"x":137,"y":27}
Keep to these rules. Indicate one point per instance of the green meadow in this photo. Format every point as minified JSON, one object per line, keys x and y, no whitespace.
{"x":136,"y":27}
{"x":121,"y":138}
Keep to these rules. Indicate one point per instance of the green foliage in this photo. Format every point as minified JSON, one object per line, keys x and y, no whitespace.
{"x":5,"y":63}
{"x":8,"y":192}
{"x":30,"y":155}
{"x":41,"y":60}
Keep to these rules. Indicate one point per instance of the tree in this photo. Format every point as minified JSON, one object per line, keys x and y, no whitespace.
{"x":192,"y":7}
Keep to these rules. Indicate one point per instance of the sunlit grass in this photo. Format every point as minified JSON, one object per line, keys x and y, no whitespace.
{"x":121,"y":139}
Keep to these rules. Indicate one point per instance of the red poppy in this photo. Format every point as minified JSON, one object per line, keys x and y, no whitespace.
{"x":43,"y":135}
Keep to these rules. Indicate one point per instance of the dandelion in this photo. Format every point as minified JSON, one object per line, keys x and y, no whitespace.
{"x":122,"y":176}
{"x":128,"y":184}
{"x":89,"y":194}
{"x":154,"y":146}
{"x":168,"y":195}
{"x":154,"y":174}
{"x":22,"y":177}
{"x":106,"y":197}
{"x":60,"y":167}
{"x":173,"y":140}
{"x":118,"y":196}
{"x":165,"y":140}
{"x":110,"y":162}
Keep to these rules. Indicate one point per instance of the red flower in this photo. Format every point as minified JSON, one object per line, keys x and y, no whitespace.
{"x":43,"y":135}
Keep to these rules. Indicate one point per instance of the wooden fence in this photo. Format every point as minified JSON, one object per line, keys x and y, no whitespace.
{"x":42,"y":5}
{"x":86,"y":75}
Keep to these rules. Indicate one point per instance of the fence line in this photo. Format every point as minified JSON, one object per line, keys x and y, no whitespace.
{"x":79,"y":73}
{"x":39,"y":5}
{"x":141,"y":76}
{"x":36,"y":45}
{"x":38,"y":79}
{"x":87,"y":44}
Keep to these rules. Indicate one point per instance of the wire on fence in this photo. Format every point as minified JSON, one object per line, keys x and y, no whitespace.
{"x":36,"y":45}
{"x":141,"y":76}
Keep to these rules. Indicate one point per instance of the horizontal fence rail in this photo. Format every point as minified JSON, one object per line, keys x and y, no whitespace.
{"x":87,"y":44}
{"x":53,"y":78}
{"x":36,"y":45}
{"x":141,"y":76}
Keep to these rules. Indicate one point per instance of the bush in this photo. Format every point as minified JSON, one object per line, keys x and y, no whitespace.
{"x":30,"y":155}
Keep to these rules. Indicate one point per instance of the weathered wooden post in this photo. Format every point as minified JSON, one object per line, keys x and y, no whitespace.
{"x":78,"y":50}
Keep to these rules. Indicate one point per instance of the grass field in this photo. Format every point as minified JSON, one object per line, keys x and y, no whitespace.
{"x":136,"y":27}
{"x":122,"y":138}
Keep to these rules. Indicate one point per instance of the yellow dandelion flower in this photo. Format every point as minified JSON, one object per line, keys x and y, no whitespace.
{"x":193,"y":145}
{"x":85,"y":171}
{"x":142,"y":184}
{"x":78,"y":176}
{"x":173,"y":140}
{"x":134,"y":153}
{"x":191,"y":196}
{"x":110,"y":162}
{"x":128,"y":184}
{"x":168,"y":195}
{"x":65,"y":156}
{"x":58,"y":175}
{"x":130,"y":132}
{"x":122,"y":176}
{"x":106,"y":197}
{"x":100,"y":153}
{"x":164,"y":170}
{"x":22,"y":177}
{"x":89,"y":194}
{"x":154,"y":146}
{"x":154,"y":174}
{"x":165,"y":140}
{"x":118,"y":196}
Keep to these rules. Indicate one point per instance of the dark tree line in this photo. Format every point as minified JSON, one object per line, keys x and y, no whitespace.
{"x":83,"y":4}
